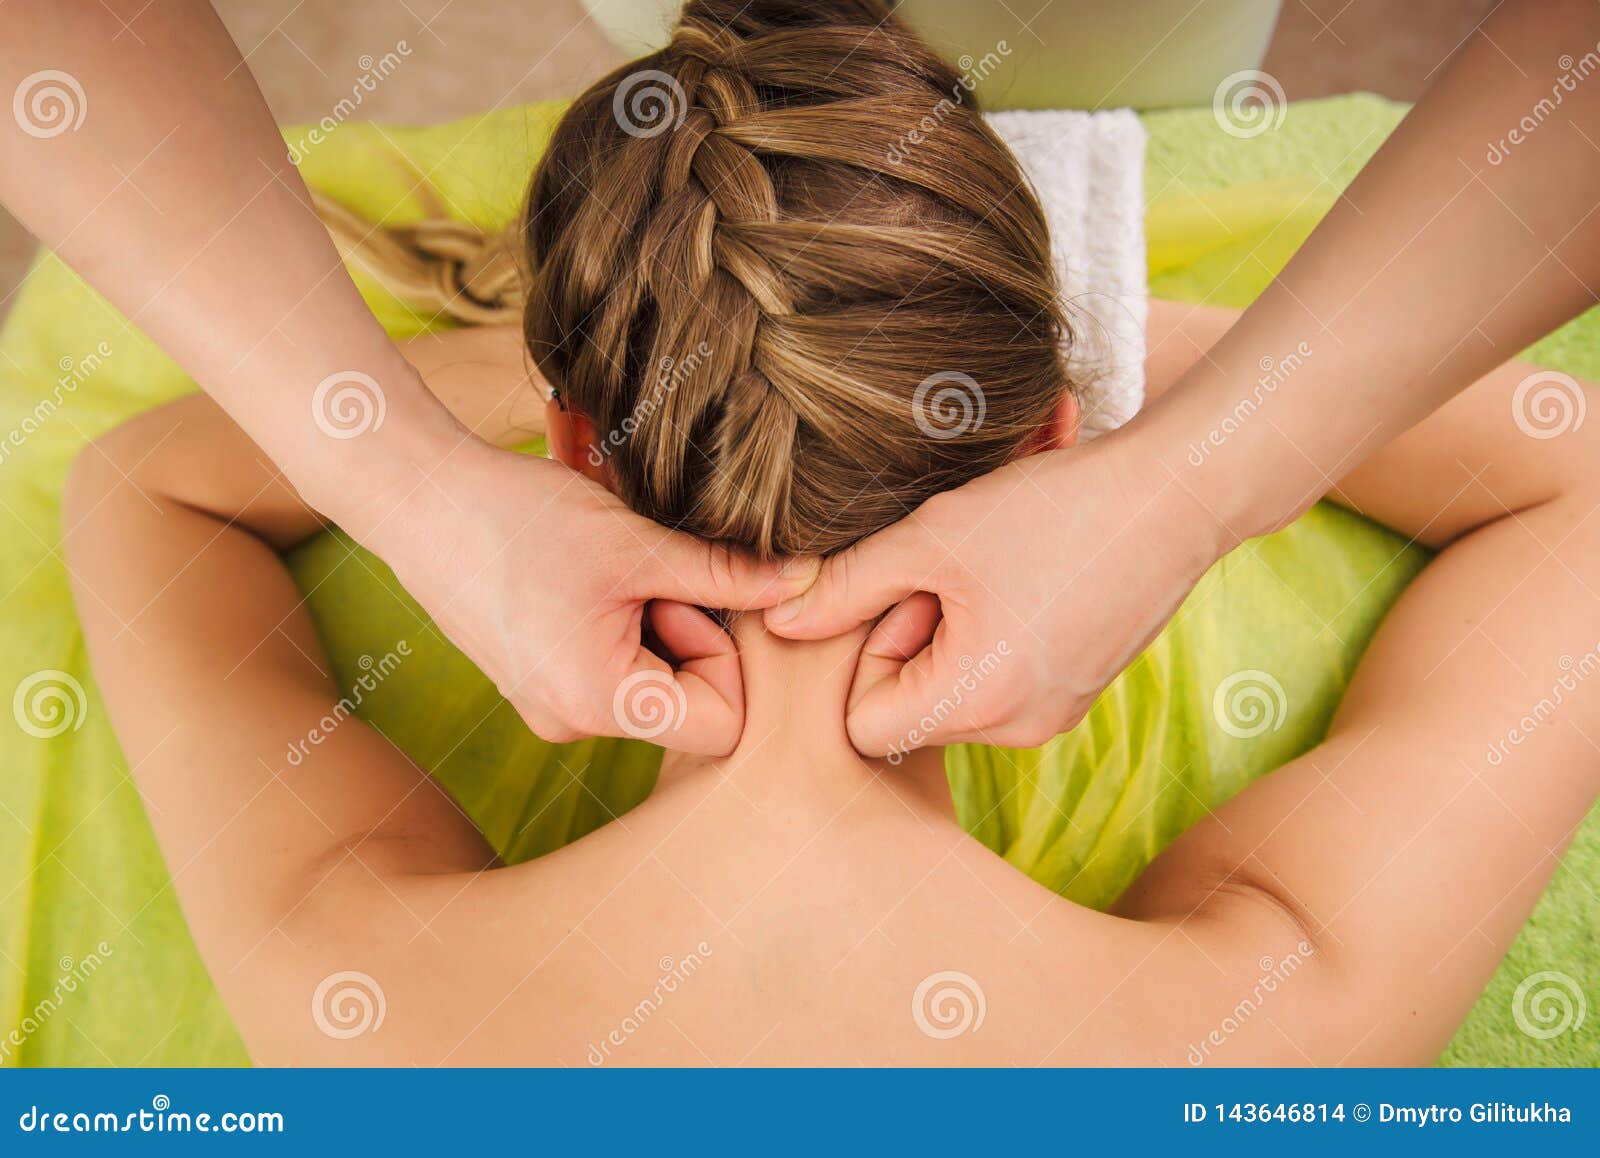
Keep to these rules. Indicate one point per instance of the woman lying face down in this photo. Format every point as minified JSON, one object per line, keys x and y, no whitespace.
{"x":739,"y":318}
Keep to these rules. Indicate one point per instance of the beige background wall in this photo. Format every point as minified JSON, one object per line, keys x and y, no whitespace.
{"x":469,"y":55}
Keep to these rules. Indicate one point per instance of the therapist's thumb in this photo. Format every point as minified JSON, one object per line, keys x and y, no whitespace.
{"x":689,"y":570}
{"x":860,"y":584}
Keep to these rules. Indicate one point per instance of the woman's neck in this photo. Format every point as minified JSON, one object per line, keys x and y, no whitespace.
{"x":794,"y":749}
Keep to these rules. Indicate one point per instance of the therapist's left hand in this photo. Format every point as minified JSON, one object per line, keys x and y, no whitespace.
{"x":1012,"y":601}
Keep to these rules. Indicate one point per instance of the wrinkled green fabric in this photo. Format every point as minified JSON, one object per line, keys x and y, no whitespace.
{"x":83,"y":878}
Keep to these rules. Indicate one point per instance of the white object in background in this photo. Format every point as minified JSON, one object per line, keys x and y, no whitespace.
{"x":635,"y":26}
{"x":1071,"y":54}
{"x":1087,"y":170}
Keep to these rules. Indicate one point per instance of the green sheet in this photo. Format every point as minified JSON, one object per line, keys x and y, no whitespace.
{"x":82,"y":882}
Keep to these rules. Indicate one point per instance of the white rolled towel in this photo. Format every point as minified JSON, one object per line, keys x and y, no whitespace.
{"x":1087,"y":169}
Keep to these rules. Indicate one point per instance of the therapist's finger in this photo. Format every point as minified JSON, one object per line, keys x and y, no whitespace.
{"x":688,"y":633}
{"x":900,"y":704}
{"x":697,"y":706}
{"x":908,"y":627}
{"x":857,"y":585}
{"x":677,"y":566}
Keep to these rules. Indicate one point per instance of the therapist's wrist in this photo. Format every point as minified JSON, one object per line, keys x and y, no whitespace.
{"x":384,"y":446}
{"x":1175,"y":527}
{"x":1240,"y":471}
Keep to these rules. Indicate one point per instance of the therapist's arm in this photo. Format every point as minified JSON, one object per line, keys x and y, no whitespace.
{"x":1474,"y":231}
{"x":175,"y":198}
{"x":1468,"y":236}
{"x":142,"y":151}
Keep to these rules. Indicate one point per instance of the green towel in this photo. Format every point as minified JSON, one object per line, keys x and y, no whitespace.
{"x":1287,"y":616}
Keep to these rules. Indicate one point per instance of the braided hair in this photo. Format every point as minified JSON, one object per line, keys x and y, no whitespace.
{"x":787,"y":272}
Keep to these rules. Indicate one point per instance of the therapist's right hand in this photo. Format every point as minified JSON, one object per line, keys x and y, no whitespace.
{"x":543,"y":578}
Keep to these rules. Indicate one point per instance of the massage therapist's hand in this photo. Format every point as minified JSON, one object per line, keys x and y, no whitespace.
{"x":1015,"y":599}
{"x":545,"y":580}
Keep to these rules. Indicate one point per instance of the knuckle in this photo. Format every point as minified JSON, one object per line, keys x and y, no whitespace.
{"x":939,"y":520}
{"x":1042,"y":733}
{"x":839,"y":577}
{"x":1027,"y":734}
{"x":557,"y":734}
{"x":548,"y":727}
{"x":933,"y":511}
{"x":722,"y":570}
{"x":567,"y":710}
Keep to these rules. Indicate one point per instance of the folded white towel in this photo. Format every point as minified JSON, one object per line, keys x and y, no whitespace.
{"x":1088,"y":172}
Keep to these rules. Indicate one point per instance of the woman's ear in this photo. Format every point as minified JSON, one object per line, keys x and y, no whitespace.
{"x":1060,"y":432}
{"x":573,"y":441}
{"x":1064,"y":423}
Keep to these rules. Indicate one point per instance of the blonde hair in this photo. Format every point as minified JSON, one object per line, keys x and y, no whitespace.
{"x":784,"y":268}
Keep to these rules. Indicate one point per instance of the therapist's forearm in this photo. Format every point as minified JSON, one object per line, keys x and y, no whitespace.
{"x":174,"y":198}
{"x":1458,"y":245}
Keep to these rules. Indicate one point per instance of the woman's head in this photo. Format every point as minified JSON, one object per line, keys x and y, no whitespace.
{"x":787,"y":282}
